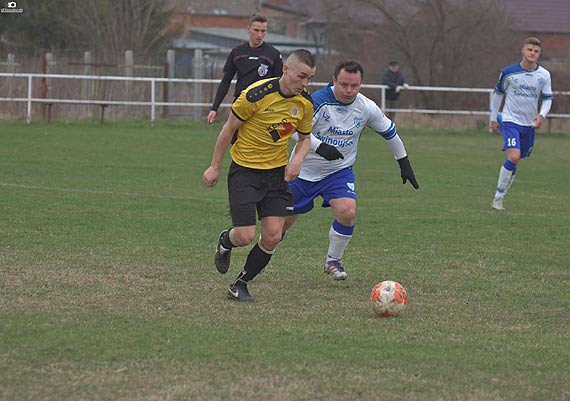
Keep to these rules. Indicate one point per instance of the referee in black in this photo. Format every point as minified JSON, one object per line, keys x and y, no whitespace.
{"x":252,"y":60}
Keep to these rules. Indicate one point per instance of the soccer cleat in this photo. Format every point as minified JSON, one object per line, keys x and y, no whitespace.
{"x":238,"y":292}
{"x":222,"y":257}
{"x":335,"y":269}
{"x":498,"y":204}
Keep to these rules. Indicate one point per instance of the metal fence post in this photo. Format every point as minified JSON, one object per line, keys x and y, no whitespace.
{"x":169,"y":86}
{"x":152,"y":102}
{"x":198,"y":74}
{"x":129,"y":62}
{"x":29,"y":117}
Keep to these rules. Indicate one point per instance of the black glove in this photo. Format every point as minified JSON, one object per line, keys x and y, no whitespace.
{"x":407,"y":173}
{"x":329,"y":152}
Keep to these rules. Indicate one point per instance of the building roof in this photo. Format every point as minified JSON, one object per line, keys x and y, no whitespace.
{"x":214,"y":38}
{"x":544,"y":16}
{"x":216,"y":7}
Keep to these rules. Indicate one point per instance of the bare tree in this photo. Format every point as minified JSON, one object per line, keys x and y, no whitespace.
{"x":110,"y":25}
{"x":438,"y":42}
{"x":117,"y":25}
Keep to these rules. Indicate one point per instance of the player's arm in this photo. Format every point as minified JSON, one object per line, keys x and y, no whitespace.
{"x":544,"y":110}
{"x":546,"y":94}
{"x":324,"y":150}
{"x":212,"y":173}
{"x":301,"y":150}
{"x":387,"y":129}
{"x":223,"y":88}
{"x":278,"y":67}
{"x":321,"y":148}
{"x":399,"y":151}
{"x":496,"y":100}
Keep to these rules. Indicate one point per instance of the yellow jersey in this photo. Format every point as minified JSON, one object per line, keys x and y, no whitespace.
{"x":269,"y":119}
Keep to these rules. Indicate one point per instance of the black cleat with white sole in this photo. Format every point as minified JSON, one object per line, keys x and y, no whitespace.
{"x":238,"y":292}
{"x":222,"y":256}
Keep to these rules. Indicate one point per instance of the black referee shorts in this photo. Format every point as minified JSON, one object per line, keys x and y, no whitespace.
{"x":262,"y":191}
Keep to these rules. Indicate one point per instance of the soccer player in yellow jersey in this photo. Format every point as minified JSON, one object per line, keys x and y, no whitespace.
{"x":265,"y":116}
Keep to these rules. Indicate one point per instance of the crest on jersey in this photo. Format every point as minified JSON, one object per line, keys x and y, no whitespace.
{"x":294,"y":111}
{"x":357,"y":122}
{"x":262,"y":70}
{"x":326,"y":116}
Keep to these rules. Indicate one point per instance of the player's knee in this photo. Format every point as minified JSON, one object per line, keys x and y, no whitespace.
{"x":243,"y":236}
{"x":346,"y":213}
{"x":514,"y":158}
{"x":346,"y":220}
{"x":271,"y":240}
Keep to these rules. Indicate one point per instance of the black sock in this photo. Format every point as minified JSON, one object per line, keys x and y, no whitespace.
{"x":226,"y":242}
{"x":255,"y":263}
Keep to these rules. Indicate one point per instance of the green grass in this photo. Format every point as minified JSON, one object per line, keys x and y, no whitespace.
{"x":108,"y":290}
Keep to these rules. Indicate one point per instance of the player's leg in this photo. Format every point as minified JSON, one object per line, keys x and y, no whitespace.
{"x":232,"y":237}
{"x":289,"y":222}
{"x":258,"y":258}
{"x":340,"y":234}
{"x":340,"y":194}
{"x":274,"y":206}
{"x":526,"y":144}
{"x":243,"y":193}
{"x":260,"y":254}
{"x":512,"y":145}
{"x":304,"y":193}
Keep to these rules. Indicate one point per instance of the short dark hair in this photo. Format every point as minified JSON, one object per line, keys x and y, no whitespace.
{"x":257,"y":17}
{"x":304,"y":56}
{"x":533,"y":41}
{"x":349,"y":66}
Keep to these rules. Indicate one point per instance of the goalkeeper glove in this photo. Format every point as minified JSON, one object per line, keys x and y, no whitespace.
{"x":407,"y":173}
{"x":329,"y":152}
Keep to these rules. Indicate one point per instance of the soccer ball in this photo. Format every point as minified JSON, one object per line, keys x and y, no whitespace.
{"x":389,"y":298}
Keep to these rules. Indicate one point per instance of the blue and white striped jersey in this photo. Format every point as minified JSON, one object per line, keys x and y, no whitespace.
{"x":341,"y":125}
{"x":523,"y":89}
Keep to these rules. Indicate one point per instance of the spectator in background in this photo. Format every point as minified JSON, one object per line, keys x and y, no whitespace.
{"x":252,"y":60}
{"x":396,"y":82}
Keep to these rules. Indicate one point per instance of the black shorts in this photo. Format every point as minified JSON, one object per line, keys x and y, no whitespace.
{"x":262,"y":191}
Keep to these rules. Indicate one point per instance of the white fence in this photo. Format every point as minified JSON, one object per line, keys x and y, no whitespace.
{"x":154,"y":102}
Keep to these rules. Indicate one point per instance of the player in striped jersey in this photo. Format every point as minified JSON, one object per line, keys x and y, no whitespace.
{"x":341,"y":115}
{"x":523,"y":84}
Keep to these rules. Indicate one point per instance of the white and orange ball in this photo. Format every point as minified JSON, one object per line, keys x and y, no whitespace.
{"x":389,"y":298}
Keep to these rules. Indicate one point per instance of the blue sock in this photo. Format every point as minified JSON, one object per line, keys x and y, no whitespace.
{"x":344,"y":230}
{"x":509,"y":165}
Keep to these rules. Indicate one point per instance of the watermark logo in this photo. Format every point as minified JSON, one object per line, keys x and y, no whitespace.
{"x":11,"y":8}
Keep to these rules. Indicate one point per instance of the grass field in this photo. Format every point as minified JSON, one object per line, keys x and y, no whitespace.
{"x":108,"y":289}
